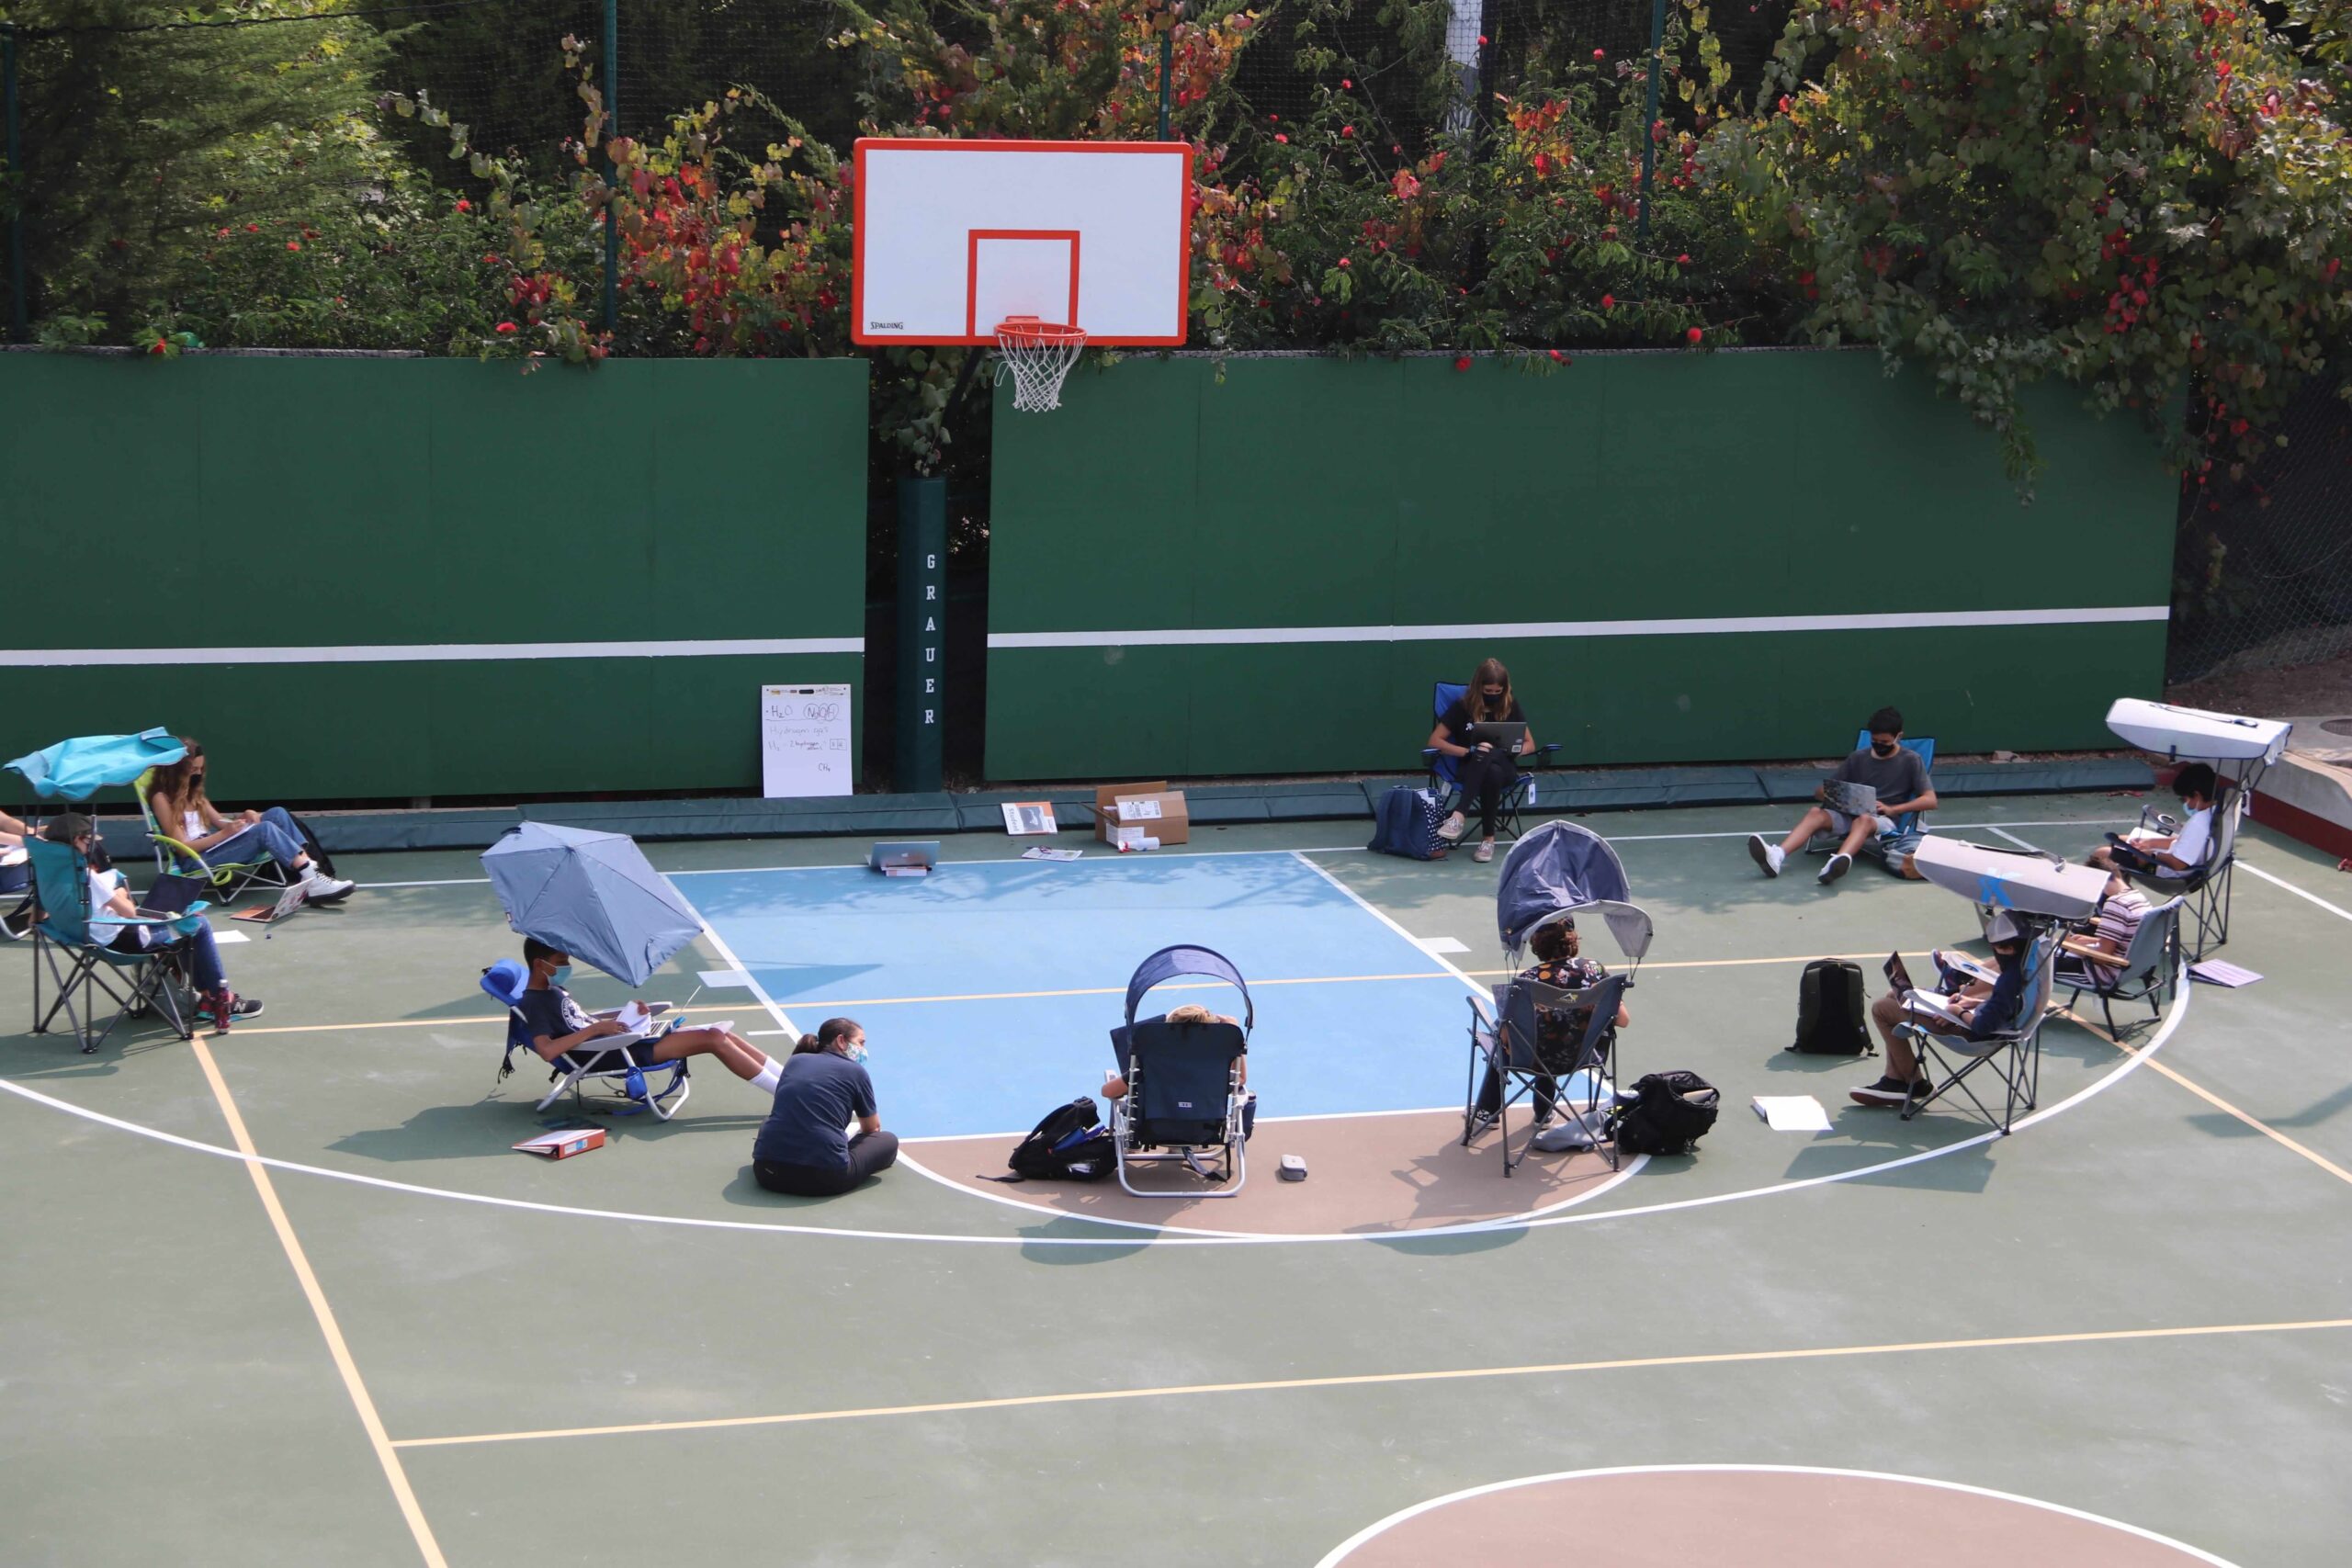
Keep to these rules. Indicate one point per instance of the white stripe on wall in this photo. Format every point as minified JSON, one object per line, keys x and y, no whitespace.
{"x":1501,"y":630}
{"x":428,"y":652}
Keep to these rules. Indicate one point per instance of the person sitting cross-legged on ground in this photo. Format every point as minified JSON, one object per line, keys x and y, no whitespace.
{"x":802,"y":1148}
{"x":184,"y":811}
{"x":108,"y":898}
{"x":1974,"y":1008}
{"x":2174,"y":854}
{"x":1559,"y":962}
{"x":1903,"y":785}
{"x":556,"y":1026}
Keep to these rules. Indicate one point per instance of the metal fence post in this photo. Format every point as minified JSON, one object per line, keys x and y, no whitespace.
{"x":1649,"y":117}
{"x":1167,"y":71}
{"x":19,"y":309}
{"x":612,"y":173}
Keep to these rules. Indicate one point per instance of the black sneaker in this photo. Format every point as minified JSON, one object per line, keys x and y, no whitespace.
{"x":1482,"y":1120}
{"x":239,"y":1008}
{"x":1886,"y":1091}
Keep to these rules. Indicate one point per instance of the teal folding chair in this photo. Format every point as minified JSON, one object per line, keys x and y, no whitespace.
{"x":82,"y":969}
{"x":1910,"y":822}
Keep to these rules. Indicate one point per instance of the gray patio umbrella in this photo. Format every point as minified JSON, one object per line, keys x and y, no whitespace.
{"x":593,"y":894}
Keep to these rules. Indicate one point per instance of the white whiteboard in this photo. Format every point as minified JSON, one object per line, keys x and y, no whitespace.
{"x":804,"y":740}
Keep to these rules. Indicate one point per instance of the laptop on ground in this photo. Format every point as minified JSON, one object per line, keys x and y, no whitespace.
{"x":904,"y":859}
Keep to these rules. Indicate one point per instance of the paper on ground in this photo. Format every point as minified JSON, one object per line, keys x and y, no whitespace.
{"x":1039,"y":852}
{"x":223,"y":937}
{"x":2214,"y":972}
{"x":1439,"y":944}
{"x":1792,"y":1112}
{"x":714,"y":979}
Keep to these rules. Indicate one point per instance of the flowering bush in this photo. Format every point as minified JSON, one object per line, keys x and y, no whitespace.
{"x":2140,"y":196}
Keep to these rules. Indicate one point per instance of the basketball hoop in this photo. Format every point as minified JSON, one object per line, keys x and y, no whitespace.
{"x":1040,"y":354}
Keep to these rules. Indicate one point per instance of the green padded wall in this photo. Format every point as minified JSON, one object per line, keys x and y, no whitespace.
{"x":347,"y":507}
{"x":1376,"y":525}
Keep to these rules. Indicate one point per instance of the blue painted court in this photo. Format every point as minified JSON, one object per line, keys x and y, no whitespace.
{"x":989,"y":989}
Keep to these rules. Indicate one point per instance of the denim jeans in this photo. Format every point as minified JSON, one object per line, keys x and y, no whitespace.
{"x":203,"y":954}
{"x":275,"y":835}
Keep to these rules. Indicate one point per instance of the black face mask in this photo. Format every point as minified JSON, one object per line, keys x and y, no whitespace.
{"x":1886,"y":750}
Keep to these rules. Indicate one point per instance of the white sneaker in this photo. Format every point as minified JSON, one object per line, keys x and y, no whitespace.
{"x":1451,"y":829}
{"x":321,"y":888}
{"x":1767,"y":857}
{"x":1839,"y":864}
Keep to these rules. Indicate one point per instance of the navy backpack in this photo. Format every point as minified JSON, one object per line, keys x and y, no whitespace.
{"x":1406,"y":824}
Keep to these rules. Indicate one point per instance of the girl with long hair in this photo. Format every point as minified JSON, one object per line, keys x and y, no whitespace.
{"x":184,"y":812}
{"x":1483,"y":771}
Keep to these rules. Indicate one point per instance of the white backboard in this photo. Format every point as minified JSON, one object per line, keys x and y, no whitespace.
{"x":804,"y":740}
{"x":954,"y":237}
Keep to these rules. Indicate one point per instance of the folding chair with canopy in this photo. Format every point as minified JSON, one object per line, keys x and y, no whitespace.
{"x":2241,"y":750}
{"x":81,"y":968}
{"x":2040,"y":892}
{"x":1185,"y":1089}
{"x":1557,"y":871}
{"x":75,"y":770}
{"x":1446,"y":783}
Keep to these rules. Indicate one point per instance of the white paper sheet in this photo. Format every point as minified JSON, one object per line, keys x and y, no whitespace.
{"x":1792,"y":1112}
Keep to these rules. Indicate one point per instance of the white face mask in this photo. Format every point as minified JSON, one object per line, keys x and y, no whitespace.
{"x":856,"y":1053}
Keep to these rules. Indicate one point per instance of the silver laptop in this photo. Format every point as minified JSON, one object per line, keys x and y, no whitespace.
{"x":1850,"y":799}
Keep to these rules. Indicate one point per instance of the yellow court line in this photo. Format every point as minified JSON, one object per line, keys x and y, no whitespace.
{"x":394,"y":1471}
{"x":2215,"y":1100}
{"x":1365,"y":1380}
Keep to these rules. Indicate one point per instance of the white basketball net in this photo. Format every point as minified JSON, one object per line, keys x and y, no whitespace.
{"x":1039,"y":355}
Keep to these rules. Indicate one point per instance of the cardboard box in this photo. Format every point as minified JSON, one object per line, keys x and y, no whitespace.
{"x":1154,"y":807}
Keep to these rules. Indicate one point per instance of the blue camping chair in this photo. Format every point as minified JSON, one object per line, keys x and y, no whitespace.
{"x":1184,"y":1091}
{"x":1909,"y":822}
{"x":75,"y":770}
{"x":2013,"y":1056}
{"x":577,"y":1070}
{"x":1447,"y":785}
{"x":81,"y":969}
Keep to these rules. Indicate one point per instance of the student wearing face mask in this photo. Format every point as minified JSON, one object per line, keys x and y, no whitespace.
{"x":556,"y":1026}
{"x":1483,"y":771}
{"x":803,"y":1148}
{"x":1903,"y":787}
{"x":184,"y":812}
{"x":1974,"y":1008}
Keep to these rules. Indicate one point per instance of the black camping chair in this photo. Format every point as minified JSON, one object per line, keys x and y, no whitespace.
{"x":1949,"y":1056}
{"x":1514,"y":1048}
{"x":1184,"y":1093}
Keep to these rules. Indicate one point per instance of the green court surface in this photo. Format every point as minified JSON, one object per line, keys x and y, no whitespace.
{"x":284,"y":1296}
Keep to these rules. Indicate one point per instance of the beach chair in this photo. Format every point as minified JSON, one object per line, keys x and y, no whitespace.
{"x":2205,"y":888}
{"x":1184,"y":1096}
{"x":1510,"y":1040}
{"x":578,"y":1071}
{"x":1447,"y":785}
{"x":1874,"y":847}
{"x":82,"y":971}
{"x":2145,"y":971}
{"x":225,"y":878}
{"x":2012,"y":1056}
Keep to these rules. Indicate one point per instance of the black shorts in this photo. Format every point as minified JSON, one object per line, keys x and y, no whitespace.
{"x":612,"y":1058}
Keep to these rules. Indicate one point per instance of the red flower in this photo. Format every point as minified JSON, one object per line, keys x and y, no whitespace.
{"x":252,"y":228}
{"x":464,"y":206}
{"x":1783,"y":105}
{"x":506,"y":329}
{"x":1343,"y":260}
{"x":1682,"y":260}
{"x":2329,"y":270}
{"x":1600,"y":54}
{"x":1283,"y":140}
{"x":1482,"y":41}
{"x":1463,"y":362}
{"x":1347,"y":130}
{"x":219,"y":233}
{"x":293,"y":244}
{"x":155,"y":347}
{"x":1693,"y":336}
{"x":1557,"y":357}
{"x":489,"y":258}
{"x":1608,"y":301}
{"x":1346,"y":86}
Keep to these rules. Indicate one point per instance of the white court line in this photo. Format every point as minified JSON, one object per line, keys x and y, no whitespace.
{"x":1360,"y":902}
{"x":1203,"y":854}
{"x":2243,"y":864}
{"x":2129,"y":1064}
{"x":751,"y":981}
{"x":1339,"y":1553}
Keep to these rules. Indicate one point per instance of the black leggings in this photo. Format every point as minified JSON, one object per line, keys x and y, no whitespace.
{"x":1490,"y":1094}
{"x":1484,"y":776}
{"x":868,"y":1152}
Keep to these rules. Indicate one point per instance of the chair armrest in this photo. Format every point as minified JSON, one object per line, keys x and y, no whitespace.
{"x":2082,"y":949}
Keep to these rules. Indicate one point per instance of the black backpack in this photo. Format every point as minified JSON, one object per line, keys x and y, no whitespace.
{"x":1829,"y":1011}
{"x":1670,"y":1113}
{"x":1069,"y":1144}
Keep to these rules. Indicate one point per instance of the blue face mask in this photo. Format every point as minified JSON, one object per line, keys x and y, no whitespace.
{"x":562,"y":972}
{"x":856,"y":1054}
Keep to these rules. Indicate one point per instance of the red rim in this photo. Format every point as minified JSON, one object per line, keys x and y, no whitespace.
{"x":1028,"y":332}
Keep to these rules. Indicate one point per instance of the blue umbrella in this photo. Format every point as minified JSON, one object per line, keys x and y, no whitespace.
{"x":73,"y":770}
{"x":593,"y":894}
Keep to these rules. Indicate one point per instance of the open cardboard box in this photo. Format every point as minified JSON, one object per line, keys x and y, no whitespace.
{"x":1156,"y":810}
